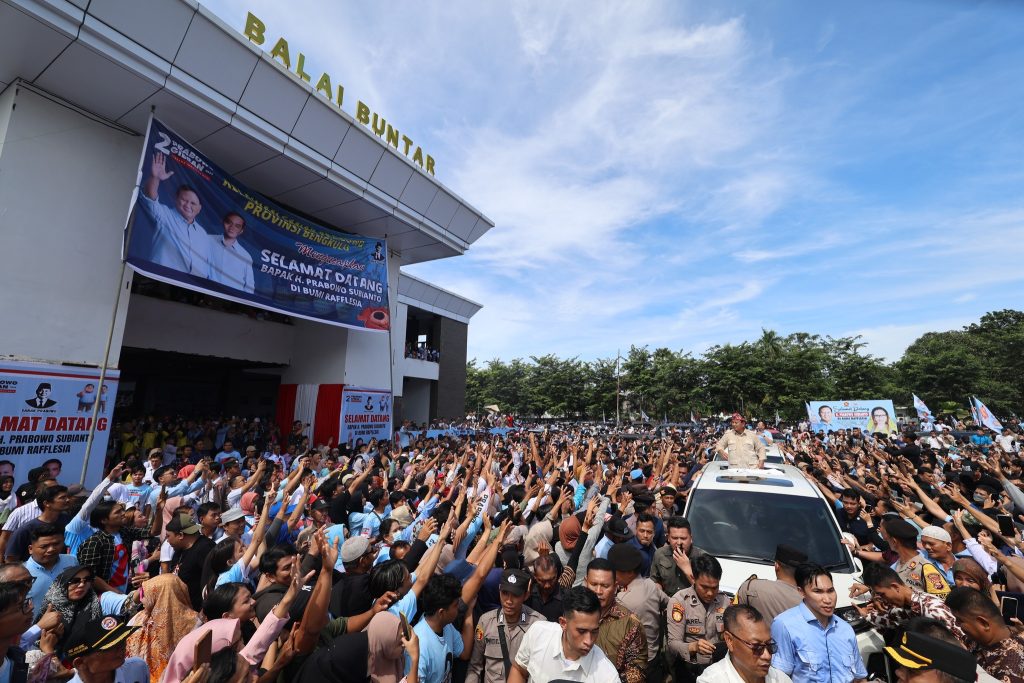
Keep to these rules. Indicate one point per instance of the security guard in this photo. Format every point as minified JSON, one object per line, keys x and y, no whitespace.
{"x":695,"y":620}
{"x":500,"y":631}
{"x":642,"y":597}
{"x":772,"y":598}
{"x":742,"y":448}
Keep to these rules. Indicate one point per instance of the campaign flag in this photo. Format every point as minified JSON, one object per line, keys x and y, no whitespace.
{"x":195,"y":226}
{"x":986,"y":417}
{"x":46,"y":413}
{"x":974,"y":412}
{"x":870,"y":415}
{"x":365,"y":415}
{"x":923,"y":414}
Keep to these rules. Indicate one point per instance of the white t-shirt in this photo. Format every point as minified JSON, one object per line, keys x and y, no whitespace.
{"x":540,"y":653}
{"x":1007,"y":443}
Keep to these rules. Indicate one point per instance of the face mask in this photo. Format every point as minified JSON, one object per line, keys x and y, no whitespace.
{"x":979,"y":498}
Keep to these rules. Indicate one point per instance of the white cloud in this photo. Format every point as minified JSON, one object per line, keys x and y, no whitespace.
{"x":890,"y":341}
{"x":664,"y":173}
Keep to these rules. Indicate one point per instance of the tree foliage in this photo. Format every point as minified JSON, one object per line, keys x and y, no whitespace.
{"x":772,"y":373}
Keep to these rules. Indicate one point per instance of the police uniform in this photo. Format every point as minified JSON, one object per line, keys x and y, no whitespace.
{"x":689,"y":620}
{"x":744,"y":450}
{"x":919,"y":573}
{"x":642,"y":596}
{"x":772,"y":598}
{"x":495,"y":642}
{"x":487,"y":664}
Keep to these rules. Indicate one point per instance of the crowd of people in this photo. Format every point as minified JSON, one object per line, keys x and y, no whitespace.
{"x":232,"y":551}
{"x":422,"y":352}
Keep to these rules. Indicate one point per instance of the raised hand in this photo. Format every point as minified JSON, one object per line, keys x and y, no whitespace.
{"x":427,"y":530}
{"x":385,"y":601}
{"x":116,"y":472}
{"x":158,"y":167}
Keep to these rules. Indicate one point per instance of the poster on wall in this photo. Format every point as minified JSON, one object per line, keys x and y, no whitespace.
{"x":365,"y":415}
{"x":46,"y":413}
{"x":195,"y":226}
{"x":871,"y":416}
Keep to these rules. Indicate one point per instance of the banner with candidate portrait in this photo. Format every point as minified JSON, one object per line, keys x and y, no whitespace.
{"x":365,"y":415}
{"x":871,"y":416}
{"x":46,"y":414}
{"x":195,"y":226}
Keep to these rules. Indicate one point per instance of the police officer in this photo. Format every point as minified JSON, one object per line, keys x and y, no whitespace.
{"x":772,"y":598}
{"x":500,"y":631}
{"x":642,"y":597}
{"x":740,"y":447}
{"x":695,"y":620}
{"x":911,"y":565}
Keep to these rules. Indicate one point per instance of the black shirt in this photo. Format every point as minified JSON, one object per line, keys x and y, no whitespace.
{"x":351,"y":595}
{"x":188,"y":565}
{"x":552,"y":609}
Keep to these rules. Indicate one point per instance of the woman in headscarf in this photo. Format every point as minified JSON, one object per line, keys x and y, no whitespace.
{"x":968,"y":572}
{"x":166,"y":617}
{"x":72,"y":597}
{"x":374,"y":654}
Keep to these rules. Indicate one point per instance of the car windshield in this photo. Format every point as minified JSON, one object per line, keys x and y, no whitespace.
{"x":748,"y":525}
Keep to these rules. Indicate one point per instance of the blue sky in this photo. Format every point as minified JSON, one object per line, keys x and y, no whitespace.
{"x":683,"y":174}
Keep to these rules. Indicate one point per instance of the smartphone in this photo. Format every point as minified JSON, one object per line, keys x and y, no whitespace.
{"x":1008,"y":607}
{"x":1005,"y":525}
{"x":898,"y":498}
{"x":203,"y":649}
{"x":406,"y":632}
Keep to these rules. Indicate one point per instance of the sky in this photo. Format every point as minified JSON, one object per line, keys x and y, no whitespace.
{"x":682,"y":174}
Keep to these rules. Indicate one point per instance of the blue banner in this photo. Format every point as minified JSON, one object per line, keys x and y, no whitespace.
{"x":195,"y":226}
{"x":870,"y":416}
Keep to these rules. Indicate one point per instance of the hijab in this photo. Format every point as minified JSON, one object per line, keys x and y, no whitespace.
{"x":86,"y":610}
{"x":226,"y":632}
{"x":167,"y":617}
{"x":569,"y":532}
{"x":386,"y":664}
{"x":969,"y":566}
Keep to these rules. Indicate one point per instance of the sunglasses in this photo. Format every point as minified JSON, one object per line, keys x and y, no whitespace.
{"x":80,"y":580}
{"x":757,"y":648}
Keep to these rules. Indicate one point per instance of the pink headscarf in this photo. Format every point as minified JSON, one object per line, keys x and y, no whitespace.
{"x":226,"y":632}
{"x":248,"y":502}
{"x":385,"y":648}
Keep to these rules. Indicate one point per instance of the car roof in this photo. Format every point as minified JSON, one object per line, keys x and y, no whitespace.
{"x":780,"y":479}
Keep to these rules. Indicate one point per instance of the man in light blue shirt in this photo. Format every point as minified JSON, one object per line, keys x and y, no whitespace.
{"x":179,"y":242}
{"x":230,"y":263}
{"x":814,"y":645}
{"x":45,"y":561}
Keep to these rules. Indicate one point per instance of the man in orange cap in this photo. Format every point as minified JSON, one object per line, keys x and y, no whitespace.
{"x":740,"y":447}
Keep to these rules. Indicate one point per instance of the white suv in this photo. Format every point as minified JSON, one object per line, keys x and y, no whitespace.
{"x":740,"y":516}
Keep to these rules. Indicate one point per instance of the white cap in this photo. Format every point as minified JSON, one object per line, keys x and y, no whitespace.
{"x":936,"y":532}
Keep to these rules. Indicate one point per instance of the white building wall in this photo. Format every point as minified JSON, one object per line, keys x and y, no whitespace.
{"x":319,"y":354}
{"x":65,"y":188}
{"x":172,"y":326}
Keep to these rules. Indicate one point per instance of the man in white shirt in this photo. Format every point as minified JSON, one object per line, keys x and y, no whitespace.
{"x":230,"y":263}
{"x":565,"y":651}
{"x":751,"y":647}
{"x":179,"y":241}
